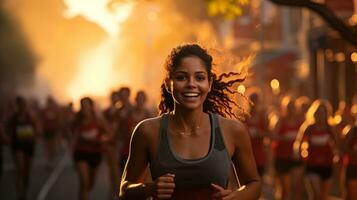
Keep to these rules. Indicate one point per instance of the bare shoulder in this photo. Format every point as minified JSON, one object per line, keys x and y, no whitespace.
{"x":147,"y":128}
{"x":235,"y":133}
{"x":233,"y":127}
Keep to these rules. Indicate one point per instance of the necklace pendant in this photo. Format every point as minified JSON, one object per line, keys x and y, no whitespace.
{"x":181,"y":133}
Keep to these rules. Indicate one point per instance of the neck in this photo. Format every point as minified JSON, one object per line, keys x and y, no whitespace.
{"x":188,"y":121}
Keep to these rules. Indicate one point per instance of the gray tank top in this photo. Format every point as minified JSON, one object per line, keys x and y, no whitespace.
{"x":197,"y":173}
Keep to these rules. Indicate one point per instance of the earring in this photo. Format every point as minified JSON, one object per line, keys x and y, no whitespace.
{"x":168,"y":86}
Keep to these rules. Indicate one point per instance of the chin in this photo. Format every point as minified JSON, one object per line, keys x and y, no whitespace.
{"x":191,"y":106}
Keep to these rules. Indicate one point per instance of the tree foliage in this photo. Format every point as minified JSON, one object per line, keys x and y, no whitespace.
{"x":232,"y":8}
{"x":228,"y":8}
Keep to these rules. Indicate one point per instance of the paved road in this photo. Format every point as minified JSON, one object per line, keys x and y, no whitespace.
{"x":56,"y":183}
{"x":61,"y":182}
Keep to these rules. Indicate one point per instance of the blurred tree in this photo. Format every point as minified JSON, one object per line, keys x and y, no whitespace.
{"x":232,"y":8}
{"x":17,"y":61}
{"x":228,"y":8}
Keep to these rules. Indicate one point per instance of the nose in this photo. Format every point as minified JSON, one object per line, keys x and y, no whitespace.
{"x":191,"y":82}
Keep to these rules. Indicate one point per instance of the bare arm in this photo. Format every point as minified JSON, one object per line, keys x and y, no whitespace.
{"x":132,"y":186}
{"x":244,"y":163}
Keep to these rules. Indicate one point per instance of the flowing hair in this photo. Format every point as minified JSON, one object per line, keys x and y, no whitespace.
{"x":218,"y":99}
{"x":311,"y":113}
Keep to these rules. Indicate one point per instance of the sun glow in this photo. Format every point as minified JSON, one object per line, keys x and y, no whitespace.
{"x":89,"y":47}
{"x":96,"y":74}
{"x":100,"y":12}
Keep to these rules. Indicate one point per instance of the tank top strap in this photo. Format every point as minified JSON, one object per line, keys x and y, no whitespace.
{"x":164,"y":124}
{"x":218,"y":143}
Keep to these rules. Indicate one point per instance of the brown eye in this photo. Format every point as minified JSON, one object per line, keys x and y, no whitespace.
{"x":200,"y":78}
{"x":180,"y":77}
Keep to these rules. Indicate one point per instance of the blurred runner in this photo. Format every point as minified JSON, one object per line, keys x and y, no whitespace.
{"x":23,"y":130}
{"x":125,"y":125}
{"x":258,"y":125}
{"x":140,"y":111}
{"x":67,"y":118}
{"x":50,"y":117}
{"x":111,"y":150}
{"x":90,"y":134}
{"x":318,"y":141}
{"x":288,"y":167}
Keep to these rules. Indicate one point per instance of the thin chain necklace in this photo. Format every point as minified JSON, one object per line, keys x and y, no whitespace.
{"x":185,"y":132}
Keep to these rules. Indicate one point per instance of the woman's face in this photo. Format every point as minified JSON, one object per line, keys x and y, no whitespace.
{"x":86,"y":108}
{"x":189,"y":83}
{"x":291,"y":108}
{"x":140,"y":99}
{"x":321,"y":113}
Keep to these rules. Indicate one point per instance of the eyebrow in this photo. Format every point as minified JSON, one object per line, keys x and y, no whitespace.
{"x":184,"y":72}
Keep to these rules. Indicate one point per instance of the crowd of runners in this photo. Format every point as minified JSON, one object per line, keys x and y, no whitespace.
{"x":302,"y":147}
{"x":92,"y":135}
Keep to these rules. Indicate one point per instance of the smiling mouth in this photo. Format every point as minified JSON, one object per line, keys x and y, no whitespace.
{"x":190,"y":94}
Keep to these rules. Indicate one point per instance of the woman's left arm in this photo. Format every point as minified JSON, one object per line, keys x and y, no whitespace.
{"x":244,"y":163}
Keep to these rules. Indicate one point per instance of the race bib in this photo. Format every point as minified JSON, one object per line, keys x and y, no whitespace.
{"x":319,"y":140}
{"x":90,"y":134}
{"x":25,"y":132}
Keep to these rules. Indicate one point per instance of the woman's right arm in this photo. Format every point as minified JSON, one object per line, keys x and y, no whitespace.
{"x":132,"y":184}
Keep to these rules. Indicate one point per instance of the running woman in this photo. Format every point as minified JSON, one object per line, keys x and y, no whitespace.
{"x":90,"y":133}
{"x":321,"y":140}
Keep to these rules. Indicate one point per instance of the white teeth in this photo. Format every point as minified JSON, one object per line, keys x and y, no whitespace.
{"x":190,"y":94}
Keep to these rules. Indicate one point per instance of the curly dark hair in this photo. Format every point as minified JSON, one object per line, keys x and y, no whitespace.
{"x":218,"y":99}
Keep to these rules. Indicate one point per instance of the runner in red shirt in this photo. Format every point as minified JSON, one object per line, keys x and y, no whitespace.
{"x":320,"y":138}
{"x":90,"y":134}
{"x":257,"y":126}
{"x":288,"y":167}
